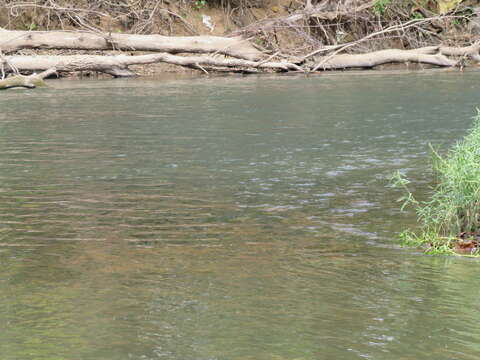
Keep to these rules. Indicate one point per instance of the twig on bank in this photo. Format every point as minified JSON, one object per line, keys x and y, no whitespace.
{"x":201,"y":68}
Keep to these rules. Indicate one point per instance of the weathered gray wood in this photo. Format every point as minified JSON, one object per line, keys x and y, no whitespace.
{"x":471,"y":51}
{"x":30,"y":81}
{"x":77,"y":40}
{"x":372,"y":59}
{"x":118,"y":65}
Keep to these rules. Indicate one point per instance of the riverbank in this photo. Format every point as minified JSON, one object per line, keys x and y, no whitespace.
{"x":276,"y":35}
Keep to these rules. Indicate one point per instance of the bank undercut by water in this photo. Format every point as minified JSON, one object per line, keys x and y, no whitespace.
{"x":450,"y":219}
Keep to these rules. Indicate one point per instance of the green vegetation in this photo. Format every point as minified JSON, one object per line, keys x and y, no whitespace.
{"x":31,"y":27}
{"x":450,"y":220}
{"x":199,"y":4}
{"x":380,"y":6}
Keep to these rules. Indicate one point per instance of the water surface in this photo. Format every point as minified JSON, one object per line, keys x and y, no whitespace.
{"x":228,"y":218}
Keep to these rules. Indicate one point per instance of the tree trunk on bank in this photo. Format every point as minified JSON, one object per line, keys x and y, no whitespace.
{"x":118,"y":65}
{"x":77,"y":40}
{"x":369,"y":60}
{"x":471,"y":51}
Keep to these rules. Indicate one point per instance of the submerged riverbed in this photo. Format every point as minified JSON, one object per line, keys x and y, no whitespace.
{"x":228,"y":218}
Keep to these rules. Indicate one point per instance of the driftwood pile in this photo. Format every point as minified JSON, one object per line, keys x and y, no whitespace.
{"x":206,"y":53}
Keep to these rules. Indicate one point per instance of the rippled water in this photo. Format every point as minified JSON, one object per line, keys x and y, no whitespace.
{"x":228,"y":218}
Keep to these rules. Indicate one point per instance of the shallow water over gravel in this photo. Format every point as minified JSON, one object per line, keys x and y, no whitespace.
{"x":228,"y":218}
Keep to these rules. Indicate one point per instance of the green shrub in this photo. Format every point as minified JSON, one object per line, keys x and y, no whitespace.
{"x":454,"y":207}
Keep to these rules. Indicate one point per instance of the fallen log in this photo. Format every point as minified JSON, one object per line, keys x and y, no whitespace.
{"x":117,"y":65}
{"x":30,"y":82}
{"x":77,"y":40}
{"x":471,"y":51}
{"x":372,"y":59}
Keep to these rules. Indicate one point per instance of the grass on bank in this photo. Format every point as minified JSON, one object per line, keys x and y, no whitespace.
{"x":450,"y":219}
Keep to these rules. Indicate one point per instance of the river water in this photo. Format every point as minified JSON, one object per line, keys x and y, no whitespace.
{"x":229,"y":218}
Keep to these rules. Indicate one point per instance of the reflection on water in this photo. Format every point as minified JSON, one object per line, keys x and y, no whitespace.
{"x":228,"y":218}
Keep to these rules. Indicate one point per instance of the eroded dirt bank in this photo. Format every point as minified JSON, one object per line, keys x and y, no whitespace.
{"x":290,"y":35}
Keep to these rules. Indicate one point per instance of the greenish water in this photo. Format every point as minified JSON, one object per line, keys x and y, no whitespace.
{"x":228,"y":218}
